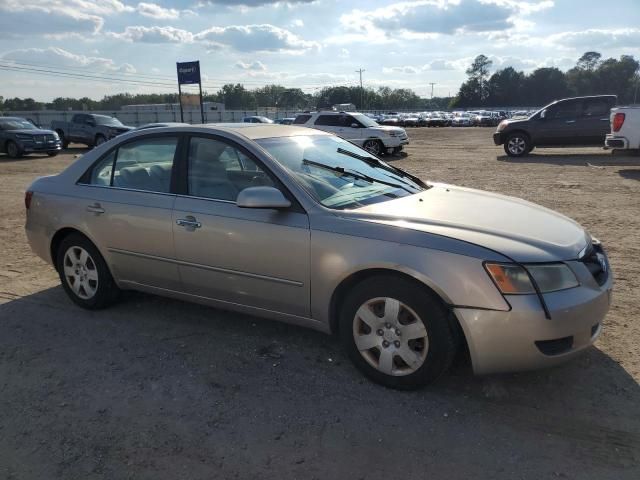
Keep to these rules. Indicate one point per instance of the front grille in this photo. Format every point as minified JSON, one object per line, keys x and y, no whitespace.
{"x":594,"y":260}
{"x":38,"y":138}
{"x":49,"y":138}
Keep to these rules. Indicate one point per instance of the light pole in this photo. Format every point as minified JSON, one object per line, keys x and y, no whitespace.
{"x":361,"y":89}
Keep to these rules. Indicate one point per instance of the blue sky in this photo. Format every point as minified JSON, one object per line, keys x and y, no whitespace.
{"x":298,"y":43}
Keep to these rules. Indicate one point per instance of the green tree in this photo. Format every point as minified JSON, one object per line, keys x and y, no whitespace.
{"x":505,"y":88}
{"x":544,"y":85}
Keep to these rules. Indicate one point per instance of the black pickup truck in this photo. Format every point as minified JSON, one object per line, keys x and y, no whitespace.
{"x":570,"y":122}
{"x":88,"y":128}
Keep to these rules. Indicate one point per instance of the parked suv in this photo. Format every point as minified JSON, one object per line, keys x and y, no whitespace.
{"x":90,"y":129}
{"x":19,"y":136}
{"x":579,"y":122}
{"x":357,"y":129}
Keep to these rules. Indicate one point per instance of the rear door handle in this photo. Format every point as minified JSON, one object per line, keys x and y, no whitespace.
{"x":95,"y":208}
{"x":190,"y":223}
{"x":570,"y":121}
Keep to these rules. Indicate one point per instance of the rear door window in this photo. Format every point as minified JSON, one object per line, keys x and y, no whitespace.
{"x":328,"y":120}
{"x":566,"y":110}
{"x":144,"y":164}
{"x":596,"y":107}
{"x":300,"y":119}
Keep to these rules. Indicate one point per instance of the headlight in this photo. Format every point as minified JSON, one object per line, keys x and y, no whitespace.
{"x":56,"y":136}
{"x":513,"y":279}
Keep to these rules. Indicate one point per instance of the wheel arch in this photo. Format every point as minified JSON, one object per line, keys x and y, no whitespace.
{"x":341,"y":290}
{"x":520,"y":131}
{"x":60,"y":235}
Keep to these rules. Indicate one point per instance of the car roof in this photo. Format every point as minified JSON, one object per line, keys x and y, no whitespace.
{"x":12,"y":118}
{"x":256,"y":131}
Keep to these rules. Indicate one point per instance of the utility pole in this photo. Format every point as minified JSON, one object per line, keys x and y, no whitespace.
{"x":361,"y":89}
{"x":432,"y":84}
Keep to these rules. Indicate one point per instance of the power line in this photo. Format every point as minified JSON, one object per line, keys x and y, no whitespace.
{"x":432,"y":84}
{"x":133,"y":78}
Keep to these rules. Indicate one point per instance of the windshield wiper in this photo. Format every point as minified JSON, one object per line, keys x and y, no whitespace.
{"x":376,"y":162}
{"x":355,"y":174}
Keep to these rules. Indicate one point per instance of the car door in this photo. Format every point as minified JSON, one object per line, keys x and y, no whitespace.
{"x":128,"y":210}
{"x":244,"y":256}
{"x":559,"y":125}
{"x":328,"y":123}
{"x":76,"y":128}
{"x":348,"y":131}
{"x":594,"y":121}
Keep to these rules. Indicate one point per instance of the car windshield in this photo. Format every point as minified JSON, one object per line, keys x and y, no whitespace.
{"x":108,"y":121}
{"x":337,"y":173}
{"x":16,"y":124}
{"x":366,"y":121}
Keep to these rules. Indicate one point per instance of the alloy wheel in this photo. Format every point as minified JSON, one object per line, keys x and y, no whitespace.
{"x":80,"y":272}
{"x":517,"y":145}
{"x":390,"y":336}
{"x":372,"y":146}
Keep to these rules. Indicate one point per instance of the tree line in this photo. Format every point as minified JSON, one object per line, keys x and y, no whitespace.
{"x":505,"y":87}
{"x":508,"y":87}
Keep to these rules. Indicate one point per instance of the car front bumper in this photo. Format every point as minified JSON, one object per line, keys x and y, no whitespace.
{"x":497,"y":138}
{"x":34,"y":147}
{"x":393,"y":142}
{"x":524,"y":339}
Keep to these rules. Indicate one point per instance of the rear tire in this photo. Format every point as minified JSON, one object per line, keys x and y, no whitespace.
{"x":517,"y":145}
{"x":403,"y":321}
{"x":84,"y":274}
{"x":13,"y":150}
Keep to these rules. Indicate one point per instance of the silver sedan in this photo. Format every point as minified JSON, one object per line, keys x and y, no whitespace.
{"x":301,"y":226}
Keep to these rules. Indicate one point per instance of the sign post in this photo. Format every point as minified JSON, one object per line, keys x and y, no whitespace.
{"x":189,"y":74}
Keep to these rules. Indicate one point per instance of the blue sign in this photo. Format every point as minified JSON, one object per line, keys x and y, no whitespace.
{"x":188,"y":72}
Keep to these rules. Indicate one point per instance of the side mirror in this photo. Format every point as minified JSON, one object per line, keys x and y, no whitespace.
{"x":262,"y":197}
{"x":355,"y":125}
{"x":543,"y":114}
{"x":91,"y":123}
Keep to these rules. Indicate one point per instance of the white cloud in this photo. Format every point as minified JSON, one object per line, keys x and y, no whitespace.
{"x":406,"y":69}
{"x":58,"y":57}
{"x":598,"y":38}
{"x":155,"y":34}
{"x":256,"y":38}
{"x":256,"y":65}
{"x":424,"y":18}
{"x":297,"y":23}
{"x":154,"y":10}
{"x":344,"y":53}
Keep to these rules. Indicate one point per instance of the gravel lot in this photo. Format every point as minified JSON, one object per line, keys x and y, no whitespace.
{"x":155,"y":388}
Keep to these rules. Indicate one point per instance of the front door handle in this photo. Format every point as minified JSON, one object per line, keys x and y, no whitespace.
{"x":570,"y":121}
{"x":95,"y":208}
{"x":190,"y":223}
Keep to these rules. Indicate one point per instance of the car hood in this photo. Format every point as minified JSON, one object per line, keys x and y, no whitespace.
{"x":388,"y":129}
{"x":31,"y":131}
{"x":520,"y":230}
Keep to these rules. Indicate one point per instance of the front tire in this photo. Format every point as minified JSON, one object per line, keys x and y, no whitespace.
{"x":396,"y":332}
{"x":517,"y":145}
{"x":100,"y":139}
{"x":13,"y":150}
{"x":63,"y":140}
{"x":374,"y":146}
{"x":52,"y":154}
{"x":84,"y":274}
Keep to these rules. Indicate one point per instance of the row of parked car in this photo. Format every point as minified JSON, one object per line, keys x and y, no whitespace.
{"x":579,"y":121}
{"x":474,"y":118}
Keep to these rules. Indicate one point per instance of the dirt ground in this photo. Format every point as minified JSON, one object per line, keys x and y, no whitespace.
{"x":156,"y":388}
